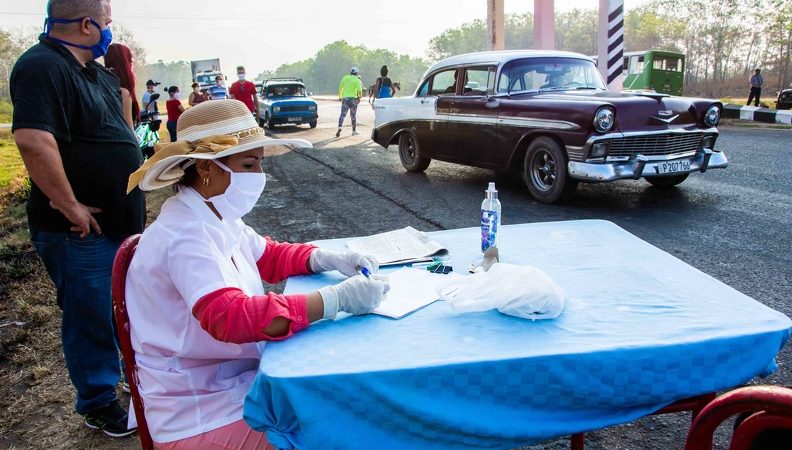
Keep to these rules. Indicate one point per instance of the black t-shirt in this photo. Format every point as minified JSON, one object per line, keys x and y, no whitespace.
{"x":81,"y":107}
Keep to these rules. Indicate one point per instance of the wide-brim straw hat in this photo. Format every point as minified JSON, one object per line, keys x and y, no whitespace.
{"x":209,"y":130}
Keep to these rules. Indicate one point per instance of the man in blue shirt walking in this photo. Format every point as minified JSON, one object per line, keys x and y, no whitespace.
{"x":218,"y":91}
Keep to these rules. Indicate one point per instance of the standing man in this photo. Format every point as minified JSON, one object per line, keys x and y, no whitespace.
{"x":245,"y":92}
{"x":79,"y":151}
{"x":148,"y":105}
{"x":217,"y":91}
{"x":349,"y":92}
{"x":756,"y":87}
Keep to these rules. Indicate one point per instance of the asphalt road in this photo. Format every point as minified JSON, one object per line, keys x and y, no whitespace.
{"x":731,"y":224}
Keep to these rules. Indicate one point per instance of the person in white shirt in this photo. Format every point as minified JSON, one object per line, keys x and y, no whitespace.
{"x":194,"y":291}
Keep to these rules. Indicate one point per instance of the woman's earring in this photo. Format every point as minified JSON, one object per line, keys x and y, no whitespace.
{"x":206,"y":181}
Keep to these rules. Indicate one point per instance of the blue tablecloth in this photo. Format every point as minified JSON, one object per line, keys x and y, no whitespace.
{"x":641,"y":329}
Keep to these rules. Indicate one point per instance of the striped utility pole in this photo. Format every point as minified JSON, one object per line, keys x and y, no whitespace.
{"x":611,"y":42}
{"x":495,"y":25}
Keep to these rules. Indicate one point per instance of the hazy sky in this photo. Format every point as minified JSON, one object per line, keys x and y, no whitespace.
{"x":262,"y":34}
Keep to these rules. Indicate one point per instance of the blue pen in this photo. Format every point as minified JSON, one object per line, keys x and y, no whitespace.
{"x":365,"y":272}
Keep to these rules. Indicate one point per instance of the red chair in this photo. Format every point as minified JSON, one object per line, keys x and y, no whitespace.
{"x":120,"y":266}
{"x":770,"y":408}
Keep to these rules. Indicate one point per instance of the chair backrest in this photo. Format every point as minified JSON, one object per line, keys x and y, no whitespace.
{"x":770,"y":409}
{"x":120,"y":266}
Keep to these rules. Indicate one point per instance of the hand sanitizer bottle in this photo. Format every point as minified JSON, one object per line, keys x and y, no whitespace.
{"x":490,"y":218}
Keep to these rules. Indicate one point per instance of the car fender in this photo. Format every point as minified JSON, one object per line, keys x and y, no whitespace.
{"x":518,"y":152}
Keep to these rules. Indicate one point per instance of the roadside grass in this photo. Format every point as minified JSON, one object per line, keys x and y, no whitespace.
{"x":6,"y":111}
{"x":764,"y":103}
{"x":11,"y":167}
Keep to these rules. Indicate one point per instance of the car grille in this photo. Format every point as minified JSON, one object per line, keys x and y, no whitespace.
{"x":655,"y":144}
{"x":294,"y":108}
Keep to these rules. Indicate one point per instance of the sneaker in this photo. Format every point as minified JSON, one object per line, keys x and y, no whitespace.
{"x":338,"y":133}
{"x":112,"y":419}
{"x":125,"y":387}
{"x":355,"y":133}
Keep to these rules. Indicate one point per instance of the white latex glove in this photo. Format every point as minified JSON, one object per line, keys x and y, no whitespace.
{"x":349,"y":263}
{"x":356,"y":295}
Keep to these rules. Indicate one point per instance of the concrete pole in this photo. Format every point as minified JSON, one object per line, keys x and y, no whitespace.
{"x":611,"y":43}
{"x":495,"y":25}
{"x":544,"y":25}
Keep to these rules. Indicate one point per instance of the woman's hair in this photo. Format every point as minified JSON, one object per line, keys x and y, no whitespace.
{"x":384,"y":71}
{"x":194,"y":85}
{"x":119,"y":61}
{"x":189,"y":177}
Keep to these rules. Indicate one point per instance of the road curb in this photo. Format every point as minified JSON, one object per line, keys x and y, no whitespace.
{"x":757,"y":114}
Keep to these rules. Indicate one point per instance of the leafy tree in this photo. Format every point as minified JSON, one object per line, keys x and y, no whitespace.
{"x":13,"y":43}
{"x":323,"y":72}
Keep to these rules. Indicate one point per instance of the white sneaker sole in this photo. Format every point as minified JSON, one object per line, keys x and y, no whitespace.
{"x":110,"y":433}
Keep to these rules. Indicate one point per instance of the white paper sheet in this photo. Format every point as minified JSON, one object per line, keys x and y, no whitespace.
{"x":411,"y":289}
{"x":397,"y":246}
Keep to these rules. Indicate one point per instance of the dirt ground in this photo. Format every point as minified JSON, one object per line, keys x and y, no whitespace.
{"x":36,"y":397}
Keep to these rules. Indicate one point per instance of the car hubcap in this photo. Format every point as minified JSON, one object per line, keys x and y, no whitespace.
{"x":543,"y":171}
{"x":409,"y":149}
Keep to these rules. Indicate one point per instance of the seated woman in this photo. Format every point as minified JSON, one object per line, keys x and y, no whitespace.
{"x":195,"y":298}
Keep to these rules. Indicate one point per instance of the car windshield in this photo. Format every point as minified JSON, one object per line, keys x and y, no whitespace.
{"x":546,"y":74}
{"x":286,"y":90}
{"x":205,"y":79}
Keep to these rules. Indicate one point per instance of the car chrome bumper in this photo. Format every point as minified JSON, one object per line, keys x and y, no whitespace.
{"x":641,"y":166}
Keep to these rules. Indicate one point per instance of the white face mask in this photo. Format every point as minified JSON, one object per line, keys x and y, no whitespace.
{"x":197,"y":90}
{"x":241,"y":195}
{"x":241,"y":76}
{"x":176,"y":95}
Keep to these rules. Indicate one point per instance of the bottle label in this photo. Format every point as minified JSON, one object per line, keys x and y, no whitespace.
{"x":489,"y":229}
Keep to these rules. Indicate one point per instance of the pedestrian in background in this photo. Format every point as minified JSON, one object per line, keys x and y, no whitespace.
{"x":245,"y":92}
{"x":196,"y":96}
{"x":384,"y":86}
{"x":756,"y":87}
{"x":218,"y":91}
{"x":119,"y":61}
{"x":148,"y":105}
{"x":349,"y":92}
{"x":175,"y":108}
{"x":78,"y":209}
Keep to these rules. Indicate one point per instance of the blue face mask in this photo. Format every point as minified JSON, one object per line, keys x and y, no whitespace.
{"x":97,"y":50}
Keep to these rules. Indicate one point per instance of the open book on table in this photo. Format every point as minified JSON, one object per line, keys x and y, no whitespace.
{"x":403,"y":246}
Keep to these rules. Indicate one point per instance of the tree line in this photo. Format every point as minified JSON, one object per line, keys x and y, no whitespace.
{"x":723,"y":40}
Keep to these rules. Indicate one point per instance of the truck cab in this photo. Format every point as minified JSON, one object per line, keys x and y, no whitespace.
{"x":285,"y":101}
{"x":206,"y":79}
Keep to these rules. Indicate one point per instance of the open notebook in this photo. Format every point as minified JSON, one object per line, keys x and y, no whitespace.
{"x":403,"y":246}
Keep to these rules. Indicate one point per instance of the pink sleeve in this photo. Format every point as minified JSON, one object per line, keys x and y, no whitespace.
{"x":281,"y":260}
{"x":231,"y":316}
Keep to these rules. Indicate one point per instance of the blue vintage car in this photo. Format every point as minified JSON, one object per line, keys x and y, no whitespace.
{"x":284,"y":101}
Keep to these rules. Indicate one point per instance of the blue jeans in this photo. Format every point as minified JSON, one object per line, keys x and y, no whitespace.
{"x":81,"y":270}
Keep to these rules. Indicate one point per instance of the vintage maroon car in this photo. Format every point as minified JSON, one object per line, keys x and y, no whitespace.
{"x":548,"y":115}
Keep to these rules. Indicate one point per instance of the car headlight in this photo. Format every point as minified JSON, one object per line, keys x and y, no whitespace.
{"x":712,"y":116}
{"x":275,"y":108}
{"x":311,"y":107}
{"x":604,"y":120}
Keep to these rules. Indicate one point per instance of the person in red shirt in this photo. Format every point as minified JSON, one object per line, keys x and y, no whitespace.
{"x":175,"y":108}
{"x":245,"y":92}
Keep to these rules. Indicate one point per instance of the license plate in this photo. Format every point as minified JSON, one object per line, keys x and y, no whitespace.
{"x":673,"y":166}
{"x":295,"y":119}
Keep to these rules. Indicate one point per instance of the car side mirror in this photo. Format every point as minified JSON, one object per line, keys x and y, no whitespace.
{"x":310,"y":94}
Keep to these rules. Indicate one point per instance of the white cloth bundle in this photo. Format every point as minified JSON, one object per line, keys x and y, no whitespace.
{"x":520,"y":291}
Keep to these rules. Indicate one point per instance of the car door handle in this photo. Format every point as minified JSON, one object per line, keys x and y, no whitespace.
{"x":424,"y":100}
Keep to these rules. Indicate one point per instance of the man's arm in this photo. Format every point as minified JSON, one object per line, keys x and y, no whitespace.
{"x":255,"y":102}
{"x":42,"y":159}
